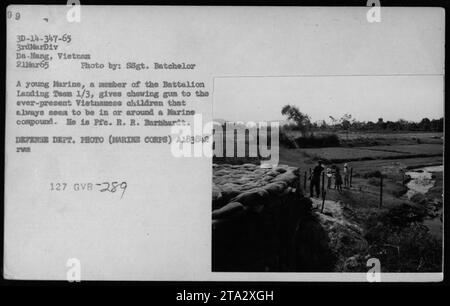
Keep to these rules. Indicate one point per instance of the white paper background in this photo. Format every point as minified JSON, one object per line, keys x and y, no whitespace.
{"x":161,"y":229}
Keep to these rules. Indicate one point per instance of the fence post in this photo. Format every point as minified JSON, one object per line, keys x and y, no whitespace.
{"x":257,"y":143}
{"x":323,"y":182}
{"x":323,"y":202}
{"x":351,"y":176}
{"x":323,"y":192}
{"x":310,"y":179}
{"x":299,"y":182}
{"x":381,"y":191}
{"x":304,"y":183}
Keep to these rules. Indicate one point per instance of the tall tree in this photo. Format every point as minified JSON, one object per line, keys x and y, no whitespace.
{"x":346,"y":122}
{"x":302,"y":120}
{"x":425,"y":124}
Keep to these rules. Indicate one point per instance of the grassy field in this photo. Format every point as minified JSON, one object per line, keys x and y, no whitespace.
{"x":395,"y":230}
{"x":339,"y":154}
{"x":361,"y":139}
{"x":365,"y":159}
{"x":426,"y":148}
{"x":404,"y":137}
{"x":390,"y":160}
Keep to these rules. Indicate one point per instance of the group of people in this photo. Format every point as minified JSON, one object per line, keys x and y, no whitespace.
{"x":332,"y":172}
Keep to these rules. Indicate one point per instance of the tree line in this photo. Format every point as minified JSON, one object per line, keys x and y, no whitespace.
{"x":302,"y":122}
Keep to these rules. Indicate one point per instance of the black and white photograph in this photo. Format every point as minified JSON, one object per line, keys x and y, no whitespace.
{"x":353,"y":175}
{"x":345,"y":190}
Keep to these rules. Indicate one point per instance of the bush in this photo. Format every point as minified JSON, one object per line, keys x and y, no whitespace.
{"x":288,"y":139}
{"x":401,"y":242}
{"x":376,"y":174}
{"x":285,"y":140}
{"x":374,"y":181}
{"x":312,"y":141}
{"x":401,"y":191}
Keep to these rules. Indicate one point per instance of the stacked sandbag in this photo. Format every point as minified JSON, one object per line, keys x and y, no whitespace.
{"x":255,"y":214}
{"x":249,"y":184}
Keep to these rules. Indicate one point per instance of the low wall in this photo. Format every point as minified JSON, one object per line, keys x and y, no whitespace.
{"x":262,"y":222}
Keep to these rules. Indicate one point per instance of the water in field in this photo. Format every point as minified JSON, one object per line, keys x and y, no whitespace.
{"x":421,"y":182}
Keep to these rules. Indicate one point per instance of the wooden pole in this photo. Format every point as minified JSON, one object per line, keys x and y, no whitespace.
{"x":304,"y":183}
{"x":299,"y":184}
{"x":351,"y":176}
{"x":323,"y":192}
{"x":381,"y":191}
{"x":257,"y":144}
{"x":323,"y":182}
{"x":323,"y":201}
{"x":224,"y":141}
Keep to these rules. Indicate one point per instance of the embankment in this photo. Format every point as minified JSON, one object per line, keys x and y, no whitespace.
{"x":262,"y":222}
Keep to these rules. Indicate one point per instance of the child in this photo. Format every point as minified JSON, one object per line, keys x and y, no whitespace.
{"x":329,"y":174}
{"x":346,"y":176}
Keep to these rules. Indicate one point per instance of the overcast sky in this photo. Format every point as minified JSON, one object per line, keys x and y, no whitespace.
{"x":366,"y":98}
{"x":335,"y":62}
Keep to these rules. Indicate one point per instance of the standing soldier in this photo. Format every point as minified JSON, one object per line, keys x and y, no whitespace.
{"x":338,"y":180}
{"x":315,"y":180}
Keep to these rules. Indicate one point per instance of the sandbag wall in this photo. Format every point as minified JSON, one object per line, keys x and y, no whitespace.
{"x":256,"y":214}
